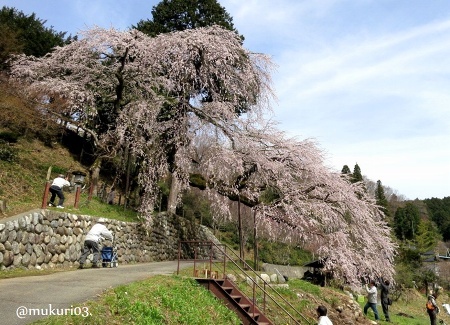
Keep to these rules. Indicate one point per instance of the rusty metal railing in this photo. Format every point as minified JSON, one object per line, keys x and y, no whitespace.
{"x":220,"y":262}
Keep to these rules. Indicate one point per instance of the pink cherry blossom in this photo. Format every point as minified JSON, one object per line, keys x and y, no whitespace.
{"x":219,"y":94}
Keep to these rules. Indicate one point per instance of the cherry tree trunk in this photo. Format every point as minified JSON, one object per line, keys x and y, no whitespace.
{"x":173,"y":195}
{"x":95,"y":175}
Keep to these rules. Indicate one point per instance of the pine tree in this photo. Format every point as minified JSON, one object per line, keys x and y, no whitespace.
{"x":381,"y":198}
{"x":30,"y":32}
{"x":346,"y":170}
{"x":427,"y":235}
{"x":177,"y":15}
{"x":406,"y":222}
{"x":357,"y":176}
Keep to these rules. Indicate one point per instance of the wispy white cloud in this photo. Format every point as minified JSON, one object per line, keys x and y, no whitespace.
{"x":350,"y":65}
{"x":379,"y":99}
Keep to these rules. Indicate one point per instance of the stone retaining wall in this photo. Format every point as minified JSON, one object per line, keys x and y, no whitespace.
{"x":47,"y":238}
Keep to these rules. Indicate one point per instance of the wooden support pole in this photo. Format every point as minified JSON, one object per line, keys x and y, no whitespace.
{"x":77,"y":196}
{"x":45,"y":196}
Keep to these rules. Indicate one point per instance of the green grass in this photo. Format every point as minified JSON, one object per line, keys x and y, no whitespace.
{"x":402,"y":314}
{"x":96,"y":208}
{"x":305,"y":286}
{"x":157,"y":300}
{"x":409,"y":310}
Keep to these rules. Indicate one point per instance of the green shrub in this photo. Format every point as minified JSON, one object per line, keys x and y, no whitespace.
{"x":7,"y":153}
{"x":58,"y":170}
{"x":279,"y":253}
{"x":8,"y":136}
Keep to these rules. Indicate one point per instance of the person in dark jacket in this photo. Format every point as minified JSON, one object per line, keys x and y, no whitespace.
{"x":384,"y":284}
{"x":432,"y":307}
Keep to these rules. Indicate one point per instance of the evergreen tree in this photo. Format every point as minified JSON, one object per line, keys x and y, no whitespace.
{"x":427,"y":236}
{"x":346,"y":170}
{"x":177,"y":15}
{"x":357,"y":176}
{"x":29,"y":34}
{"x":9,"y":44}
{"x":381,"y":198}
{"x":406,"y":222}
{"x":439,"y":212}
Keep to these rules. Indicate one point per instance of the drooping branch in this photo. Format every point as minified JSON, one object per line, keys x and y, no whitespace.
{"x":199,"y":181}
{"x":81,"y":126}
{"x":244,"y":158}
{"x":204,"y":116}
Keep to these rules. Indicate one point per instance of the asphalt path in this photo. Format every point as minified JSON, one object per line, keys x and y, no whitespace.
{"x":24,"y":299}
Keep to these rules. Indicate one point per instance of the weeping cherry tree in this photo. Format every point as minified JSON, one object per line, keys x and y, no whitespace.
{"x":170,"y":95}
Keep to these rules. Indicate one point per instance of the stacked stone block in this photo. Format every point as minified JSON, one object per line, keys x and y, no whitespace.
{"x":48,"y":239}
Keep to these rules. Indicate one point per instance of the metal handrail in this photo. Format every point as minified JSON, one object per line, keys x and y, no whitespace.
{"x":255,"y":283}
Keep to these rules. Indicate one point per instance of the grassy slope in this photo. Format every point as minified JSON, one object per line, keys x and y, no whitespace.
{"x":22,"y":184}
{"x":158,"y":300}
{"x":162,"y":300}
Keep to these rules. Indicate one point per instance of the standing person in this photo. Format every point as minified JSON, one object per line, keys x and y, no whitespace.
{"x":92,"y":241}
{"x":111,"y":195}
{"x":432,"y":307}
{"x":57,"y":190}
{"x":371,"y":299}
{"x":385,"y":297}
{"x":323,"y":318}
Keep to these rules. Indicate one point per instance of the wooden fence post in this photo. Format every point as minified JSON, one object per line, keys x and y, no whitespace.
{"x":45,"y":196}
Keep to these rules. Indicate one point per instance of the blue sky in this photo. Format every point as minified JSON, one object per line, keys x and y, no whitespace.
{"x":368,"y":79}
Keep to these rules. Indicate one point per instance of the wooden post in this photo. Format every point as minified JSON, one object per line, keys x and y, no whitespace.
{"x":91,"y":191}
{"x":77,"y":196}
{"x":45,"y":196}
{"x":3,"y":206}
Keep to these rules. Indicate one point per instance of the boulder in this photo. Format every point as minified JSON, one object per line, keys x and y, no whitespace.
{"x":265,"y":277}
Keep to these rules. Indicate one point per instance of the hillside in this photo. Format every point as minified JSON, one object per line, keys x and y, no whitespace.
{"x":22,"y":183}
{"x":22,"y":180}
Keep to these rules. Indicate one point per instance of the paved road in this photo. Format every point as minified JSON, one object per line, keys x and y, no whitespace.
{"x":63,"y":289}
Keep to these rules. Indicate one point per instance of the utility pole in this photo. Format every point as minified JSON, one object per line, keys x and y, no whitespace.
{"x":241,"y":244}
{"x":255,"y":243}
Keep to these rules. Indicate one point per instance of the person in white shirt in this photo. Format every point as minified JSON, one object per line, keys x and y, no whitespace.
{"x":92,"y":241}
{"x":57,"y":190}
{"x":323,"y":318}
{"x":371,"y":299}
